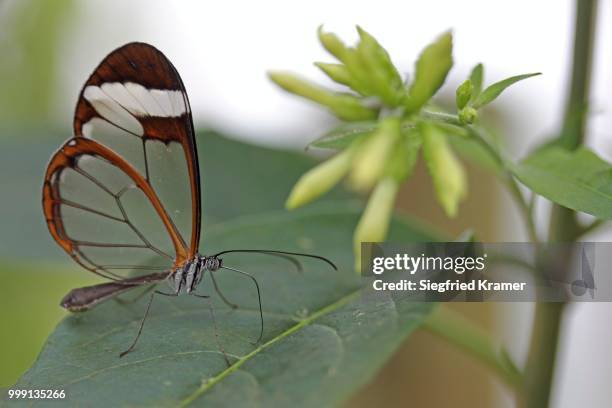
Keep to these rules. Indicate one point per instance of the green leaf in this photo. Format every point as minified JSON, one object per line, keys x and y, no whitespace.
{"x":345,"y":134}
{"x":431,"y":69}
{"x":493,"y":91}
{"x":446,"y":171}
{"x":473,"y":151}
{"x":578,"y":179}
{"x":324,"y":337}
{"x":476,"y":78}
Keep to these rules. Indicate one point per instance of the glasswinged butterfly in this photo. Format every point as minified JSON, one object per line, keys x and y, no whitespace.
{"x":123,"y":194}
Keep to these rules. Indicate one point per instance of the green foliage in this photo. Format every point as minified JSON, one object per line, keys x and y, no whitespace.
{"x":578,"y":179}
{"x":476,"y":78}
{"x":493,"y":91}
{"x":344,"y":134}
{"x":470,"y":97}
{"x":29,"y":308}
{"x":323,"y":339}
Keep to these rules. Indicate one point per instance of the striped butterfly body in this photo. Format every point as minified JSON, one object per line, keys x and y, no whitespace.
{"x":122,"y":197}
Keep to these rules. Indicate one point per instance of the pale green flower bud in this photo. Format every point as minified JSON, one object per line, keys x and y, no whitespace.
{"x":464,"y":94}
{"x":320,"y":179}
{"x":345,"y":107}
{"x":374,"y":223}
{"x":383,"y":77}
{"x":371,"y":159}
{"x":337,"y":72}
{"x":332,"y":44}
{"x":447,"y":172}
{"x":468,"y":115}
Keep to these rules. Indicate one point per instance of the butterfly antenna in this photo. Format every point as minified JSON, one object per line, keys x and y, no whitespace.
{"x":279,"y":253}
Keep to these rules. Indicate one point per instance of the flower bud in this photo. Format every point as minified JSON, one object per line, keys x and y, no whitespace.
{"x":320,"y":179}
{"x":371,"y":159}
{"x":374,"y":222}
{"x":344,"y":106}
{"x":385,"y":80}
{"x":445,"y":169}
{"x":464,"y":94}
{"x":332,"y":44}
{"x":468,"y":115}
{"x":337,"y":72}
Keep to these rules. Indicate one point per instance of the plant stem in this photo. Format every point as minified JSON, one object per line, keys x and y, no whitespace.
{"x":540,"y":367}
{"x":508,"y":178}
{"x":539,"y":371}
{"x":590,"y":227}
{"x":524,"y":207}
{"x":463,"y":333}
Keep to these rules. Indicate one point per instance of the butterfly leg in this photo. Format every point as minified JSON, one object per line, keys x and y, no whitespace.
{"x":215,"y":328}
{"x":144,"y":318}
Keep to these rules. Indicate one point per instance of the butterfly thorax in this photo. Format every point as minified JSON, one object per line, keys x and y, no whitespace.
{"x":187,"y":277}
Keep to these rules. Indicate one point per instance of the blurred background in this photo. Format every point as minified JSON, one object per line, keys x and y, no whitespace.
{"x":223,"y":51}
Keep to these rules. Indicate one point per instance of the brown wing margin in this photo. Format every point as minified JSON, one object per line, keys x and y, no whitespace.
{"x":145,"y":65}
{"x":67,"y":157}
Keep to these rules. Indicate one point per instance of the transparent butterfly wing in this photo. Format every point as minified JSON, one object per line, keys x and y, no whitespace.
{"x":123,"y":194}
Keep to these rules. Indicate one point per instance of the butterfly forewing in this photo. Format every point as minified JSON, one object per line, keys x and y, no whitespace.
{"x":124,"y":193}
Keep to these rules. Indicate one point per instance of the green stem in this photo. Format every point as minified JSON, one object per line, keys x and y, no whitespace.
{"x":539,"y":371}
{"x":463,"y":333}
{"x":510,"y":182}
{"x":443,"y":117}
{"x":590,"y":227}
{"x":524,"y":207}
